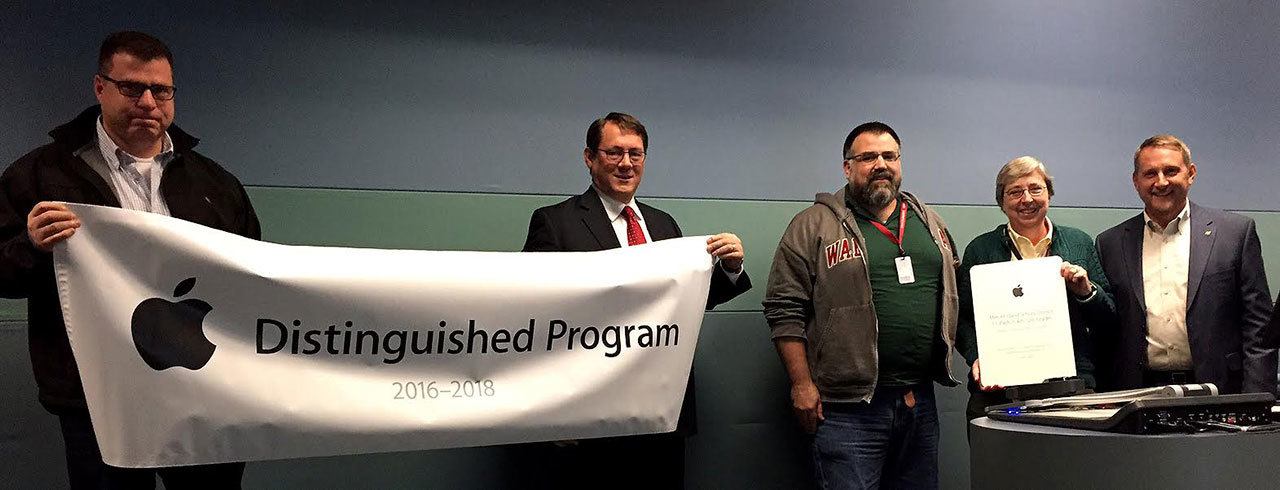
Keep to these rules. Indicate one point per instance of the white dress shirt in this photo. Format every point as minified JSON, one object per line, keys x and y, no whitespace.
{"x":613,"y":210}
{"x":1166,"y":252}
{"x":135,"y":181}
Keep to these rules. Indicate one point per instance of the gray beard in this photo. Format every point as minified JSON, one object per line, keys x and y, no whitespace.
{"x":874,"y":197}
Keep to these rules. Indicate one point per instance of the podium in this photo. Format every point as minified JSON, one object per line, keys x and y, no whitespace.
{"x":1013,"y":455}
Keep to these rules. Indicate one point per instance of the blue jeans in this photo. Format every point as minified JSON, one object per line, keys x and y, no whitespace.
{"x":881,"y":444}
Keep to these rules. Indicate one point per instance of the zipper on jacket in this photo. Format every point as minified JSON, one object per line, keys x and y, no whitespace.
{"x":924,"y":217}
{"x":866,"y":271}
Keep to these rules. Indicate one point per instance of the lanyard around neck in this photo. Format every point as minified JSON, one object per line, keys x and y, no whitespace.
{"x":902,"y":226}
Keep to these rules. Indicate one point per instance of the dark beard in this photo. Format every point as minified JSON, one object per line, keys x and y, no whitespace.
{"x":874,"y":197}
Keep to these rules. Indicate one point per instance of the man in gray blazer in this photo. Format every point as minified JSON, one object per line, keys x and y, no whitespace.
{"x":1190,"y":290}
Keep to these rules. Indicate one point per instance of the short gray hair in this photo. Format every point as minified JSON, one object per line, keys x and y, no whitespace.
{"x":1016,"y":169}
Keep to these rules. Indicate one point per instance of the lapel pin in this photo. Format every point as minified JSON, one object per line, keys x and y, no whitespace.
{"x":1208,"y":232}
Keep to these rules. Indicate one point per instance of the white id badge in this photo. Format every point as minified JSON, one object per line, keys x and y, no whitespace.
{"x":906,"y":275}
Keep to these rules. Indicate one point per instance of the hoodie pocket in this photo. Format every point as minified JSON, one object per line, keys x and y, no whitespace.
{"x":845,"y":354}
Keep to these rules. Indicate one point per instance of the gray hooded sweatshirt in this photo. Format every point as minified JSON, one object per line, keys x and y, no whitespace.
{"x":818,"y":294}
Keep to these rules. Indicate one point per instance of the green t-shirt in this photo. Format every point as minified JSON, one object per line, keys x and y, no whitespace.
{"x":907,"y":313}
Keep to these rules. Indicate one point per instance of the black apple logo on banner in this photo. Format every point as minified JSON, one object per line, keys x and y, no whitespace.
{"x":169,"y":334}
{"x":1017,"y":291}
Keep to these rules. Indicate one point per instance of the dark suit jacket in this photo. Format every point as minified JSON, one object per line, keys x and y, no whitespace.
{"x":1228,"y":303}
{"x":580,"y":224}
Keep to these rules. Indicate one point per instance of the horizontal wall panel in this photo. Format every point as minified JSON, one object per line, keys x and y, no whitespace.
{"x":499,"y":222}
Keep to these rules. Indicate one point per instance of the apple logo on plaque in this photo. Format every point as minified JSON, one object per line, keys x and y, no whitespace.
{"x":169,"y":333}
{"x":1017,"y":291}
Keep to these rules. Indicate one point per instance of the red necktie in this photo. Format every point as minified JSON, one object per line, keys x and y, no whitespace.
{"x":635,"y":236}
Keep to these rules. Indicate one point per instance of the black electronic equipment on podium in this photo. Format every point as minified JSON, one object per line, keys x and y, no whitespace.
{"x":1176,"y":436}
{"x":1050,"y":388}
{"x":1159,"y":410}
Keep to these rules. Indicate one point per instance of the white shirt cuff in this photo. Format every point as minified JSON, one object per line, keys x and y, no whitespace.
{"x":733,"y":276}
{"x":1092,"y":292}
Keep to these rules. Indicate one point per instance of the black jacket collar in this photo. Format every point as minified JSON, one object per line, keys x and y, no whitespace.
{"x":81,"y":131}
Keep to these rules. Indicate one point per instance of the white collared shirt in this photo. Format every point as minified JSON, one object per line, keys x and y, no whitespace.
{"x":135,"y":181}
{"x":613,"y":210}
{"x":1166,"y":253}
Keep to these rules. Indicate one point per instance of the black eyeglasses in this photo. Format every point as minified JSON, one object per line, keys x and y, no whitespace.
{"x":614,"y":155}
{"x":871,"y":156}
{"x":134,"y":90}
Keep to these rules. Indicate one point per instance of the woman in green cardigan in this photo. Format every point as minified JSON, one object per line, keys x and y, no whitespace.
{"x":1023,"y":190}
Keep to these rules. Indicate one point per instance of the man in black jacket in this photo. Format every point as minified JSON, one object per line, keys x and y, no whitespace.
{"x":122,"y":153}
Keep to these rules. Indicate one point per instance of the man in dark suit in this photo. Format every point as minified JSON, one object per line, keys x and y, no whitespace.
{"x":607,"y":216}
{"x":1190,"y":290}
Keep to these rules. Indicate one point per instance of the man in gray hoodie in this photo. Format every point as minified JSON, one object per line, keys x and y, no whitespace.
{"x":862,"y":304}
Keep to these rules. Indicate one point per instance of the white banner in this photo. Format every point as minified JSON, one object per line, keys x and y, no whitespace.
{"x":198,"y":346}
